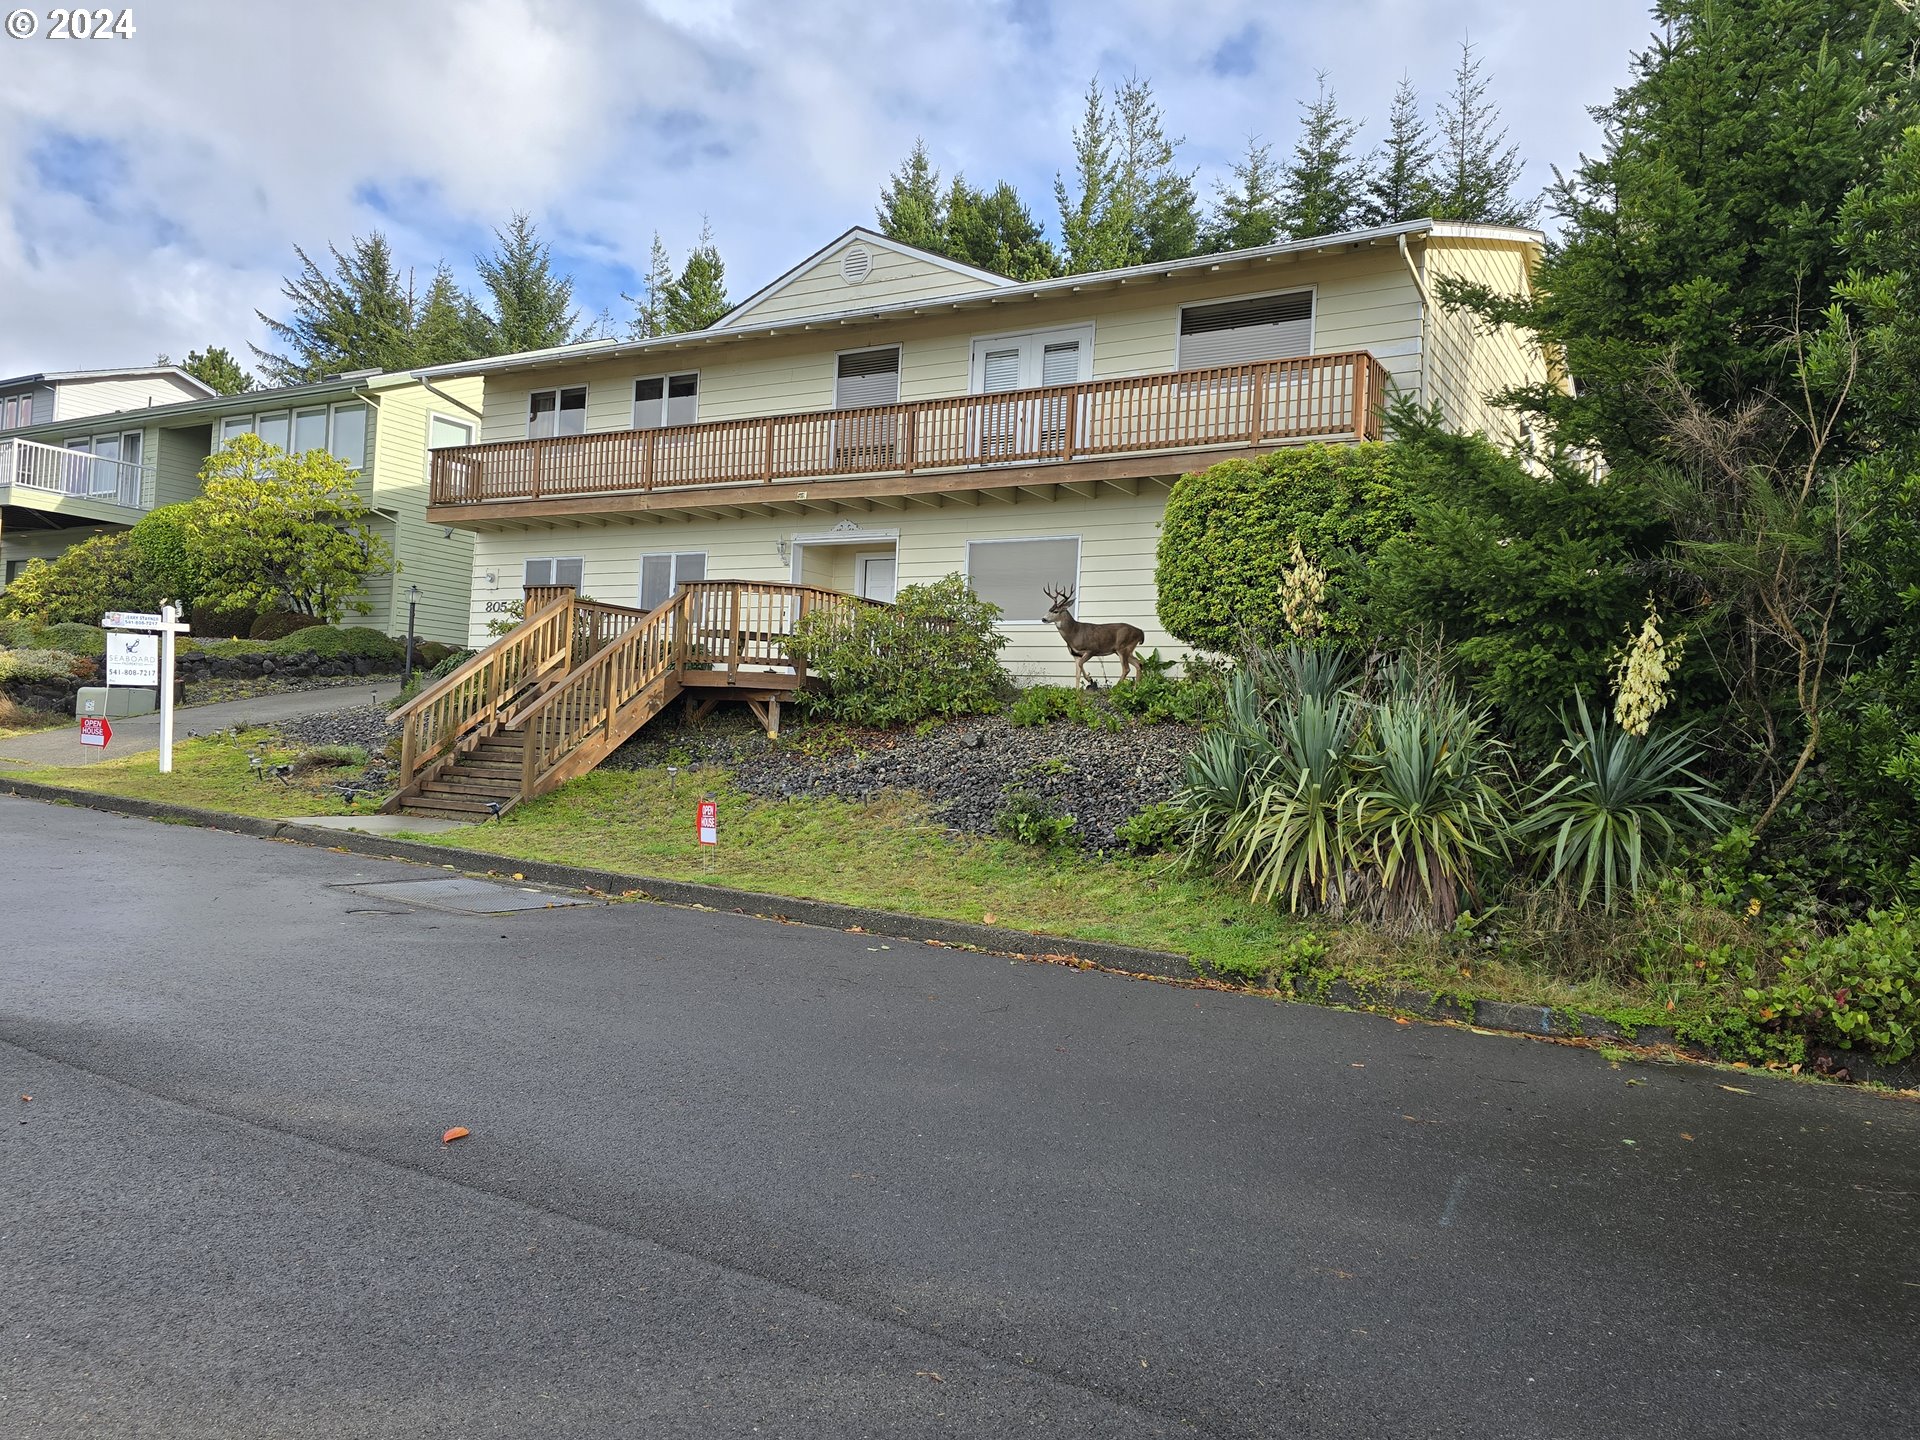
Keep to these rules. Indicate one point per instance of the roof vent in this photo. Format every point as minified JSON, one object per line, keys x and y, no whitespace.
{"x":856,"y":263}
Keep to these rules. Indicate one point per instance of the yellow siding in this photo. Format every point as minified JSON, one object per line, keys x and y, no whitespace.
{"x":1467,"y":363}
{"x":893,"y":278}
{"x":78,"y":398}
{"x":441,"y":566}
{"x":1118,"y":537}
{"x":1362,"y":302}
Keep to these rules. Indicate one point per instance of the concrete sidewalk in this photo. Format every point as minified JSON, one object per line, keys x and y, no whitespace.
{"x":141,"y":733}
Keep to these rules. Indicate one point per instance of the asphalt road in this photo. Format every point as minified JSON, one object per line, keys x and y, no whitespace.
{"x":729,"y":1177}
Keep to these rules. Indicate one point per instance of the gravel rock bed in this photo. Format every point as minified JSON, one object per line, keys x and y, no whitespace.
{"x":363,"y":725}
{"x":965,"y":767}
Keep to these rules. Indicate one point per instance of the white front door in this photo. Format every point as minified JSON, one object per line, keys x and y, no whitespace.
{"x":1033,"y":427}
{"x":873,"y":576}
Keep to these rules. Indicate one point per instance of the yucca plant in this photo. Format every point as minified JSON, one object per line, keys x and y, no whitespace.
{"x":1227,"y":769}
{"x":1291,"y":840}
{"x":1613,"y":805}
{"x":1424,"y":810}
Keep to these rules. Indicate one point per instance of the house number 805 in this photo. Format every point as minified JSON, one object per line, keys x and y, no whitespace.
{"x":90,"y":25}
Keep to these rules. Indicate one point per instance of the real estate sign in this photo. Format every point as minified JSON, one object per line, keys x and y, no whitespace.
{"x":132,"y":659}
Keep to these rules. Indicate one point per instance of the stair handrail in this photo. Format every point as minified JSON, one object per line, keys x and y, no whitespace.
{"x":607,"y":680}
{"x":441,"y":715}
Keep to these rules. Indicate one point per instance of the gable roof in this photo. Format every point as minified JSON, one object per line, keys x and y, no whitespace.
{"x":985,"y":279}
{"x":1005,"y":292}
{"x":131,"y":372}
{"x":338,"y":387}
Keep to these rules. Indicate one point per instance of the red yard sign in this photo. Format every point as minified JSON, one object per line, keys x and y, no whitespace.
{"x":708,"y":823}
{"x":94,"y":730}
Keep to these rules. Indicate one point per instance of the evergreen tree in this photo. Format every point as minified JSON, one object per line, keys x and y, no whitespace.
{"x":650,"y":305}
{"x":1129,"y":203}
{"x":532,"y":306}
{"x":994,"y":230}
{"x":1247,"y":213}
{"x":359,"y":317}
{"x":911,"y":208}
{"x":215,"y":368}
{"x":1707,"y":228}
{"x":1477,"y":170}
{"x":449,"y":326}
{"x":1321,"y":187}
{"x":1400,"y":181}
{"x":698,"y":295}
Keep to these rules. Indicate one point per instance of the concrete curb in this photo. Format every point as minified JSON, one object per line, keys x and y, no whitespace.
{"x":1498,"y":1015}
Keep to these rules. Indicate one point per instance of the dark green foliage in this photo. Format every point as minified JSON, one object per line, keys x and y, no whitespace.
{"x":1400,"y":174}
{"x":75,"y":637}
{"x":1322,"y":186}
{"x":276,"y":623}
{"x":214,"y":622}
{"x":428,"y":655}
{"x":1158,"y":698}
{"x":933,"y":652}
{"x":1247,"y":213}
{"x":698,"y":295}
{"x":1858,"y":989}
{"x":1045,"y":704}
{"x":1475,"y":172}
{"x":82,"y":583}
{"x":911,"y":209}
{"x":1159,"y":829}
{"x":1130,"y":202}
{"x":358,"y":317}
{"x":1533,"y":574}
{"x":162,"y":546}
{"x":532,"y":306}
{"x":215,"y":368}
{"x":1034,"y":820}
{"x":349,"y":642}
{"x":994,"y":230}
{"x":1224,"y":542}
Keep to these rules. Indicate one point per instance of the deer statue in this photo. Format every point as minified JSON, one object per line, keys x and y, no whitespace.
{"x":1086,"y":641}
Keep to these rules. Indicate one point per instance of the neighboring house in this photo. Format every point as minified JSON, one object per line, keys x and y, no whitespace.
{"x":879,"y":416}
{"x":64,"y":481}
{"x":69,"y":394}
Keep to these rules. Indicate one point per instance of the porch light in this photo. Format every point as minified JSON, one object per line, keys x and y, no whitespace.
{"x":782,"y":549}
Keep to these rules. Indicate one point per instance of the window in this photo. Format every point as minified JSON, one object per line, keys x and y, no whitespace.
{"x":235,"y":425}
{"x":867,"y":377}
{"x":10,"y":412}
{"x":309,"y":431}
{"x":557,"y":412}
{"x":665,"y":400}
{"x":661,"y":575}
{"x":1268,"y":327}
{"x":349,"y":442}
{"x":276,"y":429}
{"x":442,"y":432}
{"x":1015,"y":574}
{"x":554,"y":572}
{"x":14,"y":567}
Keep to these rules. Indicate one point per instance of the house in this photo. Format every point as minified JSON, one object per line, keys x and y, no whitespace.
{"x":70,"y":394}
{"x":66,"y":479}
{"x":880,"y":415}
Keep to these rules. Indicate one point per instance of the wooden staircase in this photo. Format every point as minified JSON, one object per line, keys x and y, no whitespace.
{"x":575,"y":679}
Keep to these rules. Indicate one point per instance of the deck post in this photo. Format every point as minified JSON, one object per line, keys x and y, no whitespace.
{"x":408,"y":758}
{"x":646,"y":460}
{"x":909,"y":439}
{"x":766,"y":464}
{"x":733,"y":632}
{"x":1264,"y":376}
{"x":1072,"y":418}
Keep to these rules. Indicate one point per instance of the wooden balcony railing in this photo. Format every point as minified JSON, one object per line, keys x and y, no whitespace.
{"x":1320,"y":396}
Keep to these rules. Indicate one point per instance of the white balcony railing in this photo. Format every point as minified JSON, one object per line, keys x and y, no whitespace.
{"x":29,"y":466}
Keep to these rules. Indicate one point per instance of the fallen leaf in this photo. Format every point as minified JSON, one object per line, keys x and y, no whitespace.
{"x":1636,"y":1082}
{"x":931,"y":1375}
{"x":26,"y":1097}
{"x":1629,"y":1142}
{"x":458,"y":1132}
{"x":1401,"y":1020}
{"x":989,"y":918}
{"x":1685,"y":1136}
{"x":1736,"y":1090}
{"x":518,"y":876}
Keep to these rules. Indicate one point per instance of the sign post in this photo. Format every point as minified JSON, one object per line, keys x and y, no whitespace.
{"x":134,"y":655}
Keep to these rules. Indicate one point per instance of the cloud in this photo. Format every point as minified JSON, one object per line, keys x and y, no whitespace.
{"x":156,"y":186}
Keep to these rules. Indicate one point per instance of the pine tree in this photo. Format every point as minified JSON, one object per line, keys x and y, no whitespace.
{"x":449,"y":327}
{"x":650,"y":305}
{"x":1247,"y":213}
{"x":1400,"y":182}
{"x":532,"y":306}
{"x":1130,"y":203}
{"x":1321,"y":187}
{"x":698,"y":296}
{"x":911,"y":208}
{"x":215,"y":368}
{"x":359,"y":317}
{"x":1477,"y":170}
{"x":994,"y":230}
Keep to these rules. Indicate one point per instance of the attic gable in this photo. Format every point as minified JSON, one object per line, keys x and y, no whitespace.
{"x":859,"y":271}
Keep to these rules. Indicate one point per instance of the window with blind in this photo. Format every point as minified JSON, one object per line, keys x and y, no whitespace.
{"x":557,"y":412}
{"x":660,"y":400}
{"x":1015,"y":574}
{"x":867,"y":377}
{"x":662,"y":574}
{"x":1235,"y":332}
{"x":554,"y":572}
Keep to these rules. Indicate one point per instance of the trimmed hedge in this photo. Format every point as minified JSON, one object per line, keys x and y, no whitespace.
{"x":276,"y":623}
{"x":1224,"y":542}
{"x":351,"y":642}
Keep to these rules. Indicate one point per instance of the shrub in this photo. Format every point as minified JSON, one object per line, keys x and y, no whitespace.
{"x":1612,"y":805}
{"x":1157,"y":830}
{"x":276,"y":623}
{"x":216,"y":622}
{"x":1226,"y":540}
{"x":1044,"y":704}
{"x":449,"y":663}
{"x":1860,"y":988}
{"x":74,"y":638}
{"x":1157,"y":699}
{"x":162,"y":545}
{"x":330,"y":757}
{"x":933,"y":652}
{"x":351,"y":642}
{"x":429,"y":653}
{"x":36,"y":665}
{"x":1033,"y":820}
{"x":81,"y":583}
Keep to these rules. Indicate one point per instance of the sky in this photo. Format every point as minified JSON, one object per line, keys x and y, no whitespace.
{"x":154,"y":186}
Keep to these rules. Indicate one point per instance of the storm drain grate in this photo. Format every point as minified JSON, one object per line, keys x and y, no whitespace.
{"x":465,"y":895}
